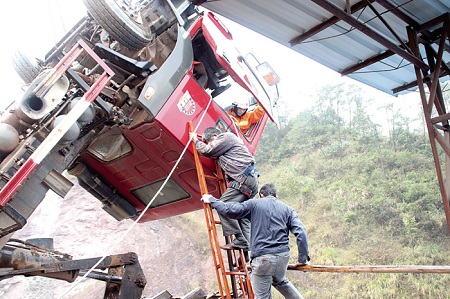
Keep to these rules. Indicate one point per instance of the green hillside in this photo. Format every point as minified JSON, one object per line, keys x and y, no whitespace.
{"x":366,"y":197}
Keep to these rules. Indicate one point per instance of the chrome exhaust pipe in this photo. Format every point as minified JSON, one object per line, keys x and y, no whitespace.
{"x":32,"y":108}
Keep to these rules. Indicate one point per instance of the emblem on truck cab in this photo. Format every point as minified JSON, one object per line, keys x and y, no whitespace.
{"x":186,"y":104}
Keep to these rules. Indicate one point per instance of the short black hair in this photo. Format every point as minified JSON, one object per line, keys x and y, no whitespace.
{"x":267,"y":190}
{"x":209,"y":133}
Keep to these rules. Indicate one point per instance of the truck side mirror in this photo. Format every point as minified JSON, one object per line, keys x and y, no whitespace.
{"x":268,"y":73}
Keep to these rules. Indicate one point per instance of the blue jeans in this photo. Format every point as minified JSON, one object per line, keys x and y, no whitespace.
{"x":270,"y":269}
{"x":232,"y":195}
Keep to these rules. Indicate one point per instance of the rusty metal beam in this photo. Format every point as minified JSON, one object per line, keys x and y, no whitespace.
{"x":398,"y":13}
{"x":440,"y":34}
{"x":386,"y":24}
{"x":331,"y":21}
{"x":431,"y":53}
{"x":404,"y":87}
{"x":426,"y":39}
{"x":372,"y":269}
{"x":414,"y":83}
{"x":414,"y":46}
{"x":432,"y":38}
{"x":440,"y":118}
{"x":398,"y":89}
{"x":443,"y":142}
{"x":366,"y":62}
{"x":435,"y":74}
{"x":408,"y":20}
{"x":438,"y":98}
{"x":433,"y":22}
{"x":414,"y":59}
{"x":351,"y":69}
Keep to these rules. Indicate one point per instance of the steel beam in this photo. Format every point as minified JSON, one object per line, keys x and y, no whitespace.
{"x":427,"y":105}
{"x":372,"y":269}
{"x":366,"y":62}
{"x":333,"y":9}
{"x":331,"y":21}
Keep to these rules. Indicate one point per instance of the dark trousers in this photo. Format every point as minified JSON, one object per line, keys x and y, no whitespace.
{"x":233,"y":195}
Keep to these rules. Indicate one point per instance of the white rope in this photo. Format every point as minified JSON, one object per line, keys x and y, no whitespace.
{"x":235,"y":122}
{"x":143,"y":211}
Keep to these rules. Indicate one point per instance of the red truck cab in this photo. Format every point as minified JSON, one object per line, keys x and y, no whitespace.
{"x":134,"y":135}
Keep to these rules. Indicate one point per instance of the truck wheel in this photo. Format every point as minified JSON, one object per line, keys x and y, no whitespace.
{"x":27,"y":69}
{"x":118,"y":20}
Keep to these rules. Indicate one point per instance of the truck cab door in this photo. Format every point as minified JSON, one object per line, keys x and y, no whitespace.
{"x":257,"y":78}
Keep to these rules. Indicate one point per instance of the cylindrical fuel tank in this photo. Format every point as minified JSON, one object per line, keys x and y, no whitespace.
{"x":87,"y":116}
{"x":71,"y":134}
{"x":9,"y":138}
{"x":10,"y":118}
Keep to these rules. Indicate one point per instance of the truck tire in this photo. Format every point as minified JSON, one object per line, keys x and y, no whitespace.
{"x":27,"y":69}
{"x":118,"y":24}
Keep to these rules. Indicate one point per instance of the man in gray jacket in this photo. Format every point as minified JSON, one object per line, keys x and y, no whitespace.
{"x":238,"y":165}
{"x":271,"y":222}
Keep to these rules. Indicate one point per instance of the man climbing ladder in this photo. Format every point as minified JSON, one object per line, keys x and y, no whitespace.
{"x":238,"y":164}
{"x":236,"y":263}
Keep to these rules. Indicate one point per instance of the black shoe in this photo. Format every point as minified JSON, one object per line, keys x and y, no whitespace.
{"x":246,"y":257}
{"x":239,"y":244}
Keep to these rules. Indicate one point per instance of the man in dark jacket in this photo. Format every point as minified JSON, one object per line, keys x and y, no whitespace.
{"x":271,"y":222}
{"x":238,"y":165}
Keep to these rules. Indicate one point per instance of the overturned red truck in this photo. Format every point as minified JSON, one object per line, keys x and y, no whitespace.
{"x":110,"y":104}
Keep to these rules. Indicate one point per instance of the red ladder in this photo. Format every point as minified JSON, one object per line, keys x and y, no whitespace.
{"x":237,"y":274}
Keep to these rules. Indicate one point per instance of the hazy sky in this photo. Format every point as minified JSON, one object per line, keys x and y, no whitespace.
{"x":41,"y":23}
{"x":33,"y":27}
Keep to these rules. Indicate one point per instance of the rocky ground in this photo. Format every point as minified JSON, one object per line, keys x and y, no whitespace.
{"x":171,"y":260}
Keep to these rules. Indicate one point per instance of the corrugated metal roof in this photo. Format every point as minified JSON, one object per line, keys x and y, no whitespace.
{"x":347,"y":43}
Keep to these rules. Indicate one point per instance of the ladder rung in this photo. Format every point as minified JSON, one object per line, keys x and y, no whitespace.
{"x":229,"y":247}
{"x":238,"y":267}
{"x":213,"y":178}
{"x":236,"y":273}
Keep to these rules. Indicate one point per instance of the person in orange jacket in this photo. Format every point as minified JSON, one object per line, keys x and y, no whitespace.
{"x":243,"y":118}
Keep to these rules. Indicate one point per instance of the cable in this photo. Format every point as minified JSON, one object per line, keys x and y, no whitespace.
{"x":60,"y":16}
{"x":53,"y":18}
{"x":393,"y":68}
{"x":353,"y":28}
{"x":146,"y":208}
